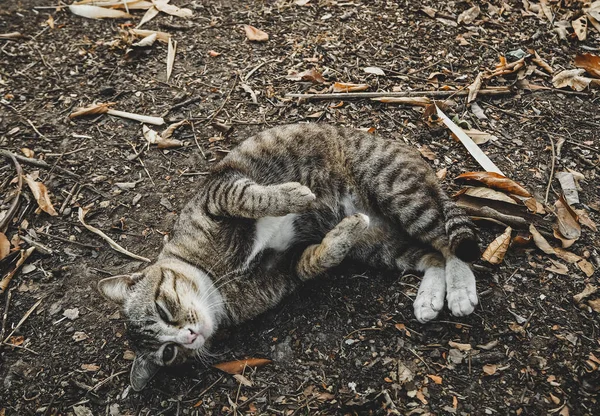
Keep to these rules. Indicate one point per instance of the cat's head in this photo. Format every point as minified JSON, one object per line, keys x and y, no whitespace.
{"x":171,"y":309}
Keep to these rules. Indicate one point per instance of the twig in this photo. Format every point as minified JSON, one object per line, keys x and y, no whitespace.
{"x":420,"y":358}
{"x":66,"y":240}
{"x":346,"y":95}
{"x":216,"y":113}
{"x":5,"y":315}
{"x":183,"y":104}
{"x":6,"y":279}
{"x":245,"y":402}
{"x":551,"y":170}
{"x":109,"y":240}
{"x":68,"y":198}
{"x":23,"y":319}
{"x":106,"y":380}
{"x":38,"y":163}
{"x":362,"y":329}
{"x":15,"y":203}
{"x":36,"y":130}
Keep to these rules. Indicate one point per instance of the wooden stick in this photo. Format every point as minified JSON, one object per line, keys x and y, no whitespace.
{"x":347,"y":95}
{"x":6,"y":279}
{"x":15,"y":203}
{"x":37,"y":162}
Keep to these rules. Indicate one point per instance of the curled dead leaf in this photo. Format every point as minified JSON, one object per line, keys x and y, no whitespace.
{"x":40,"y":193}
{"x":460,"y":346}
{"x":310,"y":75}
{"x":580,"y":27}
{"x":595,"y":305}
{"x":96,"y":12}
{"x":490,"y":369}
{"x":4,"y":246}
{"x":349,"y":87}
{"x":589,"y":290}
{"x":495,"y":252}
{"x":574,"y":79}
{"x":568,"y":226}
{"x":254,"y":34}
{"x":238,"y":366}
{"x":91,"y":110}
{"x":435,"y":379}
{"x":474,"y":87}
{"x":589,"y":62}
{"x":468,"y":16}
{"x":495,"y":181}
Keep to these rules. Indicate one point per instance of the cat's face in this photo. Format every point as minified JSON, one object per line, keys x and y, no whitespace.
{"x":171,"y":310}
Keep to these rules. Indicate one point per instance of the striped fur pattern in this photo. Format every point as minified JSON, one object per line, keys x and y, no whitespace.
{"x":282,"y":208}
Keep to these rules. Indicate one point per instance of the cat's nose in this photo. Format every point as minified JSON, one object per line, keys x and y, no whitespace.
{"x":192,"y":336}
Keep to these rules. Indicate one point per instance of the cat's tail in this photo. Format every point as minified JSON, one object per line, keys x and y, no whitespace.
{"x":461,"y":232}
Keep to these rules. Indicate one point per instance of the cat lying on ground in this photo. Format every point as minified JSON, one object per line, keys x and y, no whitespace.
{"x":284,"y":207}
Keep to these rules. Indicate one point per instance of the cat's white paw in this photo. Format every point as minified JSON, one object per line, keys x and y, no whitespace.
{"x":430,"y":298}
{"x":298,"y":197}
{"x":461,"y":289}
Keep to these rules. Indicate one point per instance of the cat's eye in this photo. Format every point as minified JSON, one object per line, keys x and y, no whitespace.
{"x":169,"y":353}
{"x":162,"y":312}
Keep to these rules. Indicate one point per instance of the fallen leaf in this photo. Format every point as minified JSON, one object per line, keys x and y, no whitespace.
{"x":427,"y":153}
{"x":421,"y":396}
{"x":558,"y":268}
{"x":255,"y":34}
{"x":90,"y":367}
{"x":584,"y":219}
{"x":374,"y":70}
{"x":168,"y":132}
{"x":237,"y":367}
{"x":490,"y":369}
{"x":4,"y":246}
{"x":50,"y":22}
{"x":150,"y":14}
{"x":573,"y":78}
{"x":40,"y":193}
{"x":540,"y":241}
{"x":580,"y":27}
{"x":534,"y":205}
{"x":91,"y":110}
{"x":435,"y":379}
{"x":441,"y":174}
{"x":480,"y":137}
{"x":468,"y":16}
{"x":569,"y":187}
{"x":349,"y":87}
{"x":79,"y":336}
{"x":589,"y":62}
{"x":495,"y":252}
{"x":474,"y":88}
{"x":589,"y":290}
{"x":429,"y":11}
{"x":546,"y":10}
{"x":171,"y":50}
{"x":595,"y":304}
{"x":495,"y":181}
{"x":242,"y":380}
{"x":567,"y":219}
{"x":96,"y":12}
{"x":16,"y":340}
{"x":129,"y":355}
{"x":541,"y":63}
{"x":586,"y":267}
{"x":146,"y":42}
{"x":214,"y":54}
{"x":460,"y":346}
{"x":173,"y":10}
{"x":489,"y":346}
{"x":142,"y":33}
{"x":565,"y":242}
{"x":310,"y":75}
{"x":486,"y":193}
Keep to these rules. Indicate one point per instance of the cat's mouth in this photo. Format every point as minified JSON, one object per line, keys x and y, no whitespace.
{"x":195,"y":344}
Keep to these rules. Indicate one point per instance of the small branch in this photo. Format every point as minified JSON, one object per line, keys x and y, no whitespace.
{"x":6,"y":279}
{"x":5,"y":314}
{"x":38,"y":163}
{"x":216,"y":113}
{"x":15,"y":203}
{"x":347,"y":95}
{"x":551,"y":170}
{"x":23,"y":319}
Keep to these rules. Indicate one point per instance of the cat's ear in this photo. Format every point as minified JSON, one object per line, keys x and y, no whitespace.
{"x":142,"y":372}
{"x":116,"y":288}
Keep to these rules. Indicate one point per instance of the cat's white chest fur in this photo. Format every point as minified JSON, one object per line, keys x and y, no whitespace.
{"x":273,"y":232}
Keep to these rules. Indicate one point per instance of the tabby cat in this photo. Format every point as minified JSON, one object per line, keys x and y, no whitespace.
{"x":282,"y":208}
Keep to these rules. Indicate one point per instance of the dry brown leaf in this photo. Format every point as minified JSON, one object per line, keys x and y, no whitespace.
{"x":468,"y":16}
{"x":486,"y":193}
{"x":173,"y":10}
{"x":349,"y":87}
{"x":568,"y":186}
{"x":150,"y":14}
{"x":567,"y":219}
{"x":242,"y":380}
{"x":586,"y":267}
{"x":540,"y":241}
{"x":546,"y":10}
{"x":584,"y":219}
{"x":214,"y":54}
{"x":237,"y":367}
{"x":574,"y":79}
{"x":427,"y":153}
{"x":474,"y":88}
{"x":142,"y":33}
{"x":541,"y":63}
{"x":255,"y":34}
{"x":534,"y":205}
{"x":168,"y":143}
{"x":566,"y":243}
{"x":558,"y":268}
{"x":480,"y":137}
{"x":580,"y":27}
{"x":8,"y":277}
{"x":589,"y":62}
{"x":589,"y":290}
{"x":171,"y":50}
{"x":435,"y":379}
{"x":4,"y":246}
{"x":459,"y":346}
{"x":441,"y":174}
{"x":310,"y":75}
{"x":490,"y":369}
{"x":91,"y":110}
{"x":95,"y":12}
{"x":495,"y":252}
{"x":419,"y":394}
{"x":90,"y":367}
{"x":595,"y":304}
{"x":495,"y":181}
{"x":429,"y":11}
{"x":40,"y":193}
{"x":168,"y":132}
{"x":50,"y":22}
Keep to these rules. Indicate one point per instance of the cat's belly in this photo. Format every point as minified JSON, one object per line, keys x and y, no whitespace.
{"x":276,"y":233}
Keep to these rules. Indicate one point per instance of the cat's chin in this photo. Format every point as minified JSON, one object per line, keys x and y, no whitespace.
{"x":196,"y":344}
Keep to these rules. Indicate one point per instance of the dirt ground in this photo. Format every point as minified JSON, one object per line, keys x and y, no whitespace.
{"x":349,"y":343}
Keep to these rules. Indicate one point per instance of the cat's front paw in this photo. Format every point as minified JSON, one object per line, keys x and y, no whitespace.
{"x":462,"y":299}
{"x":296,"y":197}
{"x":430,"y":298}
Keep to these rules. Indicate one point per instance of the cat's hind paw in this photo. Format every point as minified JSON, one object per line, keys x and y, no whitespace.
{"x":295,"y":197}
{"x":430,"y":298}
{"x":461,"y":291}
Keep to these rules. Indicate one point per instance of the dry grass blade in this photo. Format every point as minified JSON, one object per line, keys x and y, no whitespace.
{"x":6,"y":279}
{"x":142,"y":33}
{"x":473,"y":149}
{"x":109,"y":240}
{"x":11,"y":35}
{"x":238,"y":366}
{"x":495,"y":252}
{"x":95,"y":12}
{"x":172,"y":49}
{"x":40,"y":193}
